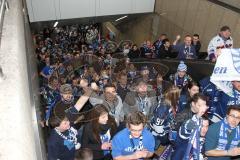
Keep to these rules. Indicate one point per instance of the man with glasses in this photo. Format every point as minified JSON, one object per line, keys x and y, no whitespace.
{"x":223,"y":138}
{"x":135,"y":141}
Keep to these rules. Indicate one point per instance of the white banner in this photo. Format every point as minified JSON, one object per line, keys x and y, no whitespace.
{"x":227,"y":69}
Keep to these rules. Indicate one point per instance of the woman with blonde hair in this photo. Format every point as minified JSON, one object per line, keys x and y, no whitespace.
{"x":163,"y":121}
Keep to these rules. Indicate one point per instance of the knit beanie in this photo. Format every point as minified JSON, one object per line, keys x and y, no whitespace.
{"x":182,"y":67}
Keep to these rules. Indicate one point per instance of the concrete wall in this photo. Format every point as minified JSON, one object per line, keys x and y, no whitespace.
{"x":183,"y":17}
{"x":195,"y":16}
{"x":234,"y":3}
{"x":19,"y":137}
{"x":136,"y":29}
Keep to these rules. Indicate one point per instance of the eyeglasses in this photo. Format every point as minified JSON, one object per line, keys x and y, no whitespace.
{"x":136,"y":131}
{"x":233,"y":116}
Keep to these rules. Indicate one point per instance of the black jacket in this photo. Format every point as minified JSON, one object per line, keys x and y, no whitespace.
{"x":88,"y":141}
{"x":134,"y":54}
{"x":183,"y":116}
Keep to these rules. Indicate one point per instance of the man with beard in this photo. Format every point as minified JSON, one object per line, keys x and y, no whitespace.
{"x":142,"y":99}
{"x":67,"y":105}
{"x":110,"y":100}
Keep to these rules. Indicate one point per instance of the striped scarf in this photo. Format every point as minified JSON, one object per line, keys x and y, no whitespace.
{"x":193,"y":148}
{"x":225,"y":130}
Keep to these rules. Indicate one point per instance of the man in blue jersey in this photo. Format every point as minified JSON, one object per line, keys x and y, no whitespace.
{"x":135,"y":141}
{"x":187,"y":143}
{"x":216,"y":99}
{"x":219,"y":101}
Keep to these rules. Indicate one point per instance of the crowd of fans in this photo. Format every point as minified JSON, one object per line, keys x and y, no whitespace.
{"x":91,"y":110}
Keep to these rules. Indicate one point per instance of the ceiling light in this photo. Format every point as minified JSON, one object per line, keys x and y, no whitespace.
{"x":121,"y":18}
{"x":55,"y":24}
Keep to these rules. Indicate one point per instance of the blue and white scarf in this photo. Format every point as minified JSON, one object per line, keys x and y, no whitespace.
{"x":105,"y":138}
{"x":187,"y":52}
{"x":181,"y":82}
{"x":70,"y":141}
{"x":235,"y":100}
{"x":142,"y":104}
{"x":136,"y":147}
{"x":225,"y":129}
{"x":193,"y":148}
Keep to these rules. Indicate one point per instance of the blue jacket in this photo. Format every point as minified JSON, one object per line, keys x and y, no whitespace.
{"x":50,"y":97}
{"x":58,"y":148}
{"x":184,"y":53}
{"x":216,"y":99}
{"x":162,"y":120}
{"x":183,"y":100}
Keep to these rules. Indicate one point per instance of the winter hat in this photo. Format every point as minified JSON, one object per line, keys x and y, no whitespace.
{"x":182,"y":67}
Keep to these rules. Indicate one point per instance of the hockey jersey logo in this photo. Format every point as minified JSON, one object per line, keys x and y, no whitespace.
{"x":236,"y":59}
